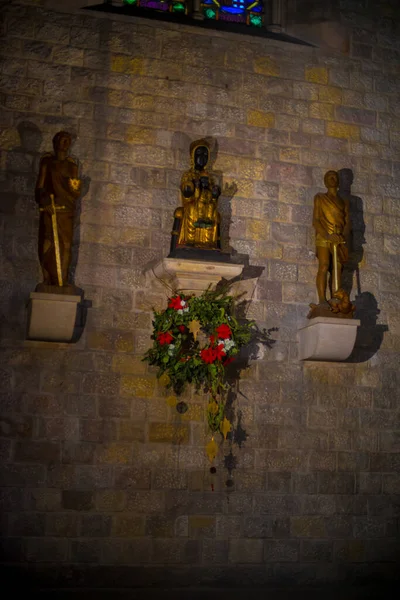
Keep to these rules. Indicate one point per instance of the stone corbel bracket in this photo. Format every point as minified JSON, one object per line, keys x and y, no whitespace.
{"x":192,"y":276}
{"x":55,"y":317}
{"x":327,"y":339}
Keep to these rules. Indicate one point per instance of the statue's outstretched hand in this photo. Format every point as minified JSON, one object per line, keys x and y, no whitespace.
{"x":230,"y":189}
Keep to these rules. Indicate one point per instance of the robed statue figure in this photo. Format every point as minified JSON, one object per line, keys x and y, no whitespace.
{"x":331,"y":221}
{"x":58,"y":188}
{"x":197,"y":221}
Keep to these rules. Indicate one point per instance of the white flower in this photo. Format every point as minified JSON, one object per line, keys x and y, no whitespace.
{"x":229,"y":344}
{"x":183,"y":303}
{"x":186,"y":309}
{"x":180,"y":311}
{"x":171,"y":349}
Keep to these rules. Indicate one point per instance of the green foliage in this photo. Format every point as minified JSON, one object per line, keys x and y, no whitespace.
{"x":200,"y":359}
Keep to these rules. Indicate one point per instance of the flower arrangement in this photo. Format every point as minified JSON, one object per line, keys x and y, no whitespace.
{"x":194,"y":341}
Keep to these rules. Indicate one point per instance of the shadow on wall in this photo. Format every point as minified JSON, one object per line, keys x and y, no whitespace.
{"x":19,"y":245}
{"x":369,"y":334}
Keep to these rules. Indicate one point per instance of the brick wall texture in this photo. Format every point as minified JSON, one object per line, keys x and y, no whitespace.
{"x":98,"y":472}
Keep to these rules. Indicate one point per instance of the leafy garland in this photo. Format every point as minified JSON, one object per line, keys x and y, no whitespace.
{"x":195,"y":339}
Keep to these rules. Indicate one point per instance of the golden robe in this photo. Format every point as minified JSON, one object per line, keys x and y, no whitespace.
{"x":199,"y":216}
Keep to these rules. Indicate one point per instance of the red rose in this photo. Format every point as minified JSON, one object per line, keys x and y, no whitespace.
{"x":164,"y":338}
{"x":224,"y":331}
{"x":212,"y":339}
{"x":219,"y":352}
{"x":208,"y":355}
{"x":175,"y":303}
{"x":182,"y":328}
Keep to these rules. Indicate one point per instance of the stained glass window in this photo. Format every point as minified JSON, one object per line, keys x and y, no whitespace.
{"x":249,"y":12}
{"x":174,"y":6}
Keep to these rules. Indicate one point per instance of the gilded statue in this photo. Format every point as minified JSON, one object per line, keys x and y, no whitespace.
{"x":331,"y":221}
{"x":197,"y":221}
{"x":58,"y":188}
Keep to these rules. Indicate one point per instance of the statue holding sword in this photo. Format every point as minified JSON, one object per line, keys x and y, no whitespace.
{"x":58,"y":188}
{"x":331,"y":221}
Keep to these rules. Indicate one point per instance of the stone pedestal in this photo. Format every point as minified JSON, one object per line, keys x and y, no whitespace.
{"x":193,"y":276}
{"x":54,"y":317}
{"x":328,"y":339}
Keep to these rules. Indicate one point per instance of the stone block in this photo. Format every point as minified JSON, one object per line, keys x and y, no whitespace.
{"x":281,"y":271}
{"x":227,"y":526}
{"x":340,"y":440}
{"x":99,"y":383}
{"x":305,"y":527}
{"x":287,"y":122}
{"x":92,"y":477}
{"x":304,"y":483}
{"x":146,"y":502}
{"x":127,"y":525}
{"x":313,"y":440}
{"x":316,"y":75}
{"x":42,"y":452}
{"x":245,"y":551}
{"x":114,"y":453}
{"x":42,"y":499}
{"x":143,"y":387}
{"x":202,"y":526}
{"x":46,"y":550}
{"x":168,"y":433}
{"x":258,"y":118}
{"x":343,"y":130}
{"x":320,"y":110}
{"x":27,"y":524}
{"x":110,"y":500}
{"x":276,"y":504}
{"x":369,"y":527}
{"x":391,"y":483}
{"x":350,"y":550}
{"x":115,"y":407}
{"x":64,"y":525}
{"x":353,"y":461}
{"x":316,"y":550}
{"x":281,"y":550}
{"x":339,"y":526}
{"x":77,"y":500}
{"x":85,"y":551}
{"x":336,"y":483}
{"x":356,"y":115}
{"x":78,"y":453}
{"x":132,"y":478}
{"x":16,"y":426}
{"x":215,"y":551}
{"x":313,"y":126}
{"x":169,"y":479}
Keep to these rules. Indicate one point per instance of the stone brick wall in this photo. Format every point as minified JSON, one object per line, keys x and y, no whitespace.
{"x":100,"y":475}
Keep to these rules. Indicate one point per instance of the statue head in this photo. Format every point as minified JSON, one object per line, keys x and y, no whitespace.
{"x":331,"y":179}
{"x":62,"y":141}
{"x":200,"y":154}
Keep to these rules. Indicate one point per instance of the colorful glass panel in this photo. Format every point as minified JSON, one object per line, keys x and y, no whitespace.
{"x":249,"y":12}
{"x":176,"y":6}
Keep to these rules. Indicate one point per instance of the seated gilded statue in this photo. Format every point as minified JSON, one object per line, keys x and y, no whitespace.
{"x":197,"y":221}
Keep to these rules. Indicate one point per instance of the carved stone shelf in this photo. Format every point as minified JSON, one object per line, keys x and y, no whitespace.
{"x":327,"y":339}
{"x":193,"y":276}
{"x":54,"y":317}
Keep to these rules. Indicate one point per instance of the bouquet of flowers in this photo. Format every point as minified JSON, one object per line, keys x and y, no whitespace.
{"x":195,"y":339}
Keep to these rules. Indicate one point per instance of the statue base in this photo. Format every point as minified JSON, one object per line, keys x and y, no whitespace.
{"x":328,"y":339}
{"x":188,"y":253}
{"x":323,"y":310}
{"x":194,"y":276}
{"x":56,"y":317}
